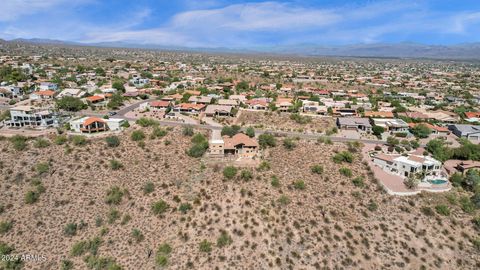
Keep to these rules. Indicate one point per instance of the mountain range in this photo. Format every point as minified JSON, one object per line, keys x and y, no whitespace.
{"x":469,"y":51}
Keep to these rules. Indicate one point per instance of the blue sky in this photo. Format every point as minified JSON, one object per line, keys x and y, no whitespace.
{"x":237,"y":24}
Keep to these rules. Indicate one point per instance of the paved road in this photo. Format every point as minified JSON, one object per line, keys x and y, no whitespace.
{"x":121,"y":113}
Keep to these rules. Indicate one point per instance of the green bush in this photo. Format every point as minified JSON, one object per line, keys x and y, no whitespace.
{"x":343,"y":156}
{"x":224,"y":240}
{"x":113,"y":215}
{"x":147,"y":122}
{"x":185,"y":207}
{"x":114,"y":195}
{"x":197,"y":150}
{"x":317,"y":169}
{"x":188,"y":131}
{"x":299,"y":184}
{"x":96,"y":262}
{"x":5,"y":226}
{"x":250,"y":132}
{"x":358,"y":182}
{"x":115,"y":164}
{"x":66,"y":265}
{"x":60,"y":140}
{"x":41,"y":143}
{"x":246,"y":175}
{"x":148,"y":188}
{"x":476,"y":223}
{"x":230,"y":130}
{"x":112,"y":141}
{"x":70,"y":229}
{"x":160,"y":207}
{"x":42,"y":168}
{"x":19,"y":142}
{"x":345,"y":171}
{"x":467,"y":205}
{"x":267,"y":140}
{"x":158,"y":133}
{"x":289,"y":144}
{"x":205,"y":246}
{"x":427,"y":211}
{"x":264,"y":166}
{"x":284,"y":200}
{"x":275,"y":182}
{"x":79,"y":140}
{"x":137,"y":135}
{"x":230,"y":172}
{"x":372,"y":206}
{"x":137,"y":235}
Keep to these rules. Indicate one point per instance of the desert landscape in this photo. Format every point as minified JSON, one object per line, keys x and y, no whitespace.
{"x":140,"y":202}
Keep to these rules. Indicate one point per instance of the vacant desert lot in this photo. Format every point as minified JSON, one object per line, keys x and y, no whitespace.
{"x":282,"y":216}
{"x":276,"y":121}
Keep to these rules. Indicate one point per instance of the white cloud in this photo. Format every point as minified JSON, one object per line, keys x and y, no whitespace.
{"x":13,"y":9}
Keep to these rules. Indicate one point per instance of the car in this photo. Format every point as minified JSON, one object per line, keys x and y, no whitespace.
{"x":112,"y":113}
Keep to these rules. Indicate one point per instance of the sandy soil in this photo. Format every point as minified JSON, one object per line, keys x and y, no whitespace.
{"x":330,"y":223}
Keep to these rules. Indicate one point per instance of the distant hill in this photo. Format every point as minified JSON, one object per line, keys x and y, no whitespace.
{"x":470,"y":51}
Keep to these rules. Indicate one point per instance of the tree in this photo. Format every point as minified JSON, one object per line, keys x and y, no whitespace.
{"x":439,"y":150}
{"x":377,"y":130}
{"x":242,"y":86}
{"x":250,"y":132}
{"x":119,"y":86}
{"x":267,"y":140}
{"x":412,"y":181}
{"x":392,"y":141}
{"x":230,"y":130}
{"x":230,"y":172}
{"x":421,"y":131}
{"x":115,"y":101}
{"x":71,"y":104}
{"x":100,"y":72}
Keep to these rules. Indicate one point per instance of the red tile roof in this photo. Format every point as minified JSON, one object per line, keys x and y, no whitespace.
{"x":91,"y":120}
{"x":472,"y":114}
{"x":95,"y":98}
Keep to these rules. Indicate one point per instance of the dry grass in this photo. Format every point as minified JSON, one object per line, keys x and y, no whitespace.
{"x":330,"y":223}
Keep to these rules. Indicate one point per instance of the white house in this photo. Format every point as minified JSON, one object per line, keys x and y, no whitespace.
{"x":410,"y":164}
{"x":28,"y":116}
{"x":48,"y":86}
{"x":94,"y":124}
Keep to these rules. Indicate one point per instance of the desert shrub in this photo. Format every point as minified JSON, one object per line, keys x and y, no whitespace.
{"x":187,"y":131}
{"x":199,"y":138}
{"x":163,"y":251}
{"x":96,"y":262}
{"x":274,"y":181}
{"x":148,"y":188}
{"x":32,"y":196}
{"x":112,"y":141}
{"x":137,"y":235}
{"x":70,"y":229}
{"x":85,"y":246}
{"x":160,"y":207}
{"x":113,"y":215}
{"x":345,"y":171}
{"x":13,"y":263}
{"x":466,"y":204}
{"x":427,"y":211}
{"x":147,"y":122}
{"x":299,"y":184}
{"x":476,"y":243}
{"x":289,"y":144}
{"x":264,"y":166}
{"x":185,"y":207}
{"x":42,"y":168}
{"x":205,"y":246}
{"x":197,"y":150}
{"x":476,"y":223}
{"x":475,"y":199}
{"x":324,"y":140}
{"x":137,"y":135}
{"x":284,"y":200}
{"x":331,"y":131}
{"x":115,"y":164}
{"x":442,"y":210}
{"x":246,"y":175}
{"x":300,"y":119}
{"x":114,"y":195}
{"x":267,"y":140}
{"x":19,"y":142}
{"x":60,"y":140}
{"x":161,"y":260}
{"x":250,"y":132}
{"x":158,"y":132}
{"x":79,"y":140}
{"x":230,"y":130}
{"x":2,"y":208}
{"x":230,"y":172}
{"x":343,"y":156}
{"x":317,"y":169}
{"x":358,"y":182}
{"x":66,"y":265}
{"x":224,"y":240}
{"x":41,"y":143}
{"x":378,"y":148}
{"x":372,"y":206}
{"x":5,"y":226}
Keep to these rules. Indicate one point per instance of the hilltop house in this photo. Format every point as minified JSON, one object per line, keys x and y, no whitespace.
{"x":354,"y":123}
{"x":391,"y":124}
{"x":239,"y":145}
{"x":218,"y":110}
{"x":95,"y":124}
{"x":27,"y":116}
{"x":466,"y":131}
{"x":410,"y":164}
{"x":189,"y":108}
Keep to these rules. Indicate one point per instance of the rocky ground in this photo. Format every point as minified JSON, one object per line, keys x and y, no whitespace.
{"x":276,"y":121}
{"x":280,"y":215}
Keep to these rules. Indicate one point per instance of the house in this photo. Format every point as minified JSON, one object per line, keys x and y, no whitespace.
{"x":466,"y":131}
{"x":283,"y":104}
{"x":94,"y":124}
{"x":314,"y":107}
{"x":239,"y":145}
{"x":200,"y":99}
{"x":42,"y":95}
{"x":343,"y":112}
{"x":472,"y":117}
{"x":189,"y":108}
{"x":27,"y":116}
{"x":95,"y":99}
{"x":239,"y":98}
{"x":257,"y":104}
{"x":139,"y":82}
{"x":436,"y":130}
{"x":405,"y":165}
{"x":218,"y":110}
{"x":391,"y":124}
{"x":374,"y":114}
{"x":159,"y":105}
{"x":44,"y":86}
{"x":10,"y":91}
{"x":71,"y":92}
{"x":228,"y":102}
{"x":354,"y":123}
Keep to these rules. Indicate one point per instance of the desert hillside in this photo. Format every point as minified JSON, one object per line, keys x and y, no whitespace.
{"x":146,"y":204}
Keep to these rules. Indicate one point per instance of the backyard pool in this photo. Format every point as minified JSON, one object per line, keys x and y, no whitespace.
{"x":437,"y":181}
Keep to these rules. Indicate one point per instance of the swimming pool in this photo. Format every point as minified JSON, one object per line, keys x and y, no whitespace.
{"x":437,"y":181}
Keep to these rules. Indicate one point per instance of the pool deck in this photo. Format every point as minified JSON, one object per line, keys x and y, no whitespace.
{"x":393,"y":184}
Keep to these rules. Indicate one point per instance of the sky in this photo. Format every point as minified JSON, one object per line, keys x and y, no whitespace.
{"x":243,"y":24}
